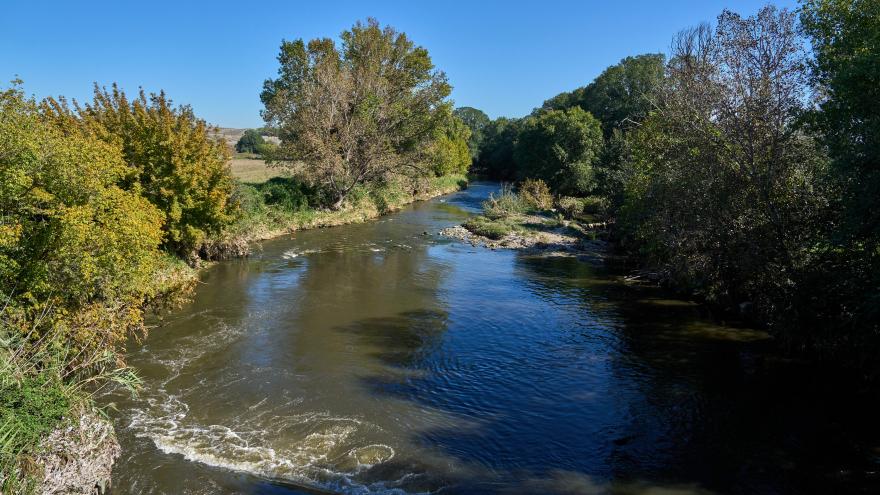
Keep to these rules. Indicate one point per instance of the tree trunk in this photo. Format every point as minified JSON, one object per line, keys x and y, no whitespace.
{"x":337,"y":205}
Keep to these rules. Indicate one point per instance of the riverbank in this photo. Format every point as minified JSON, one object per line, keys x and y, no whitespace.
{"x":78,"y":455}
{"x":261,"y":222}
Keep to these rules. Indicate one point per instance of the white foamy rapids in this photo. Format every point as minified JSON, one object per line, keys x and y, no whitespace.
{"x":293,"y":253}
{"x":313,"y":448}
{"x":326,"y":457}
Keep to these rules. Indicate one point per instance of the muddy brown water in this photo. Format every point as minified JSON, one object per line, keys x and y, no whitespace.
{"x":374,"y":358}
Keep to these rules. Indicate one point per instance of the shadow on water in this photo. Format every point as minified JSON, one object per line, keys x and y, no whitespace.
{"x":673,"y":400}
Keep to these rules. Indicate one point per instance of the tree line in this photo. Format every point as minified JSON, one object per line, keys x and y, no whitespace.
{"x":742,"y":170}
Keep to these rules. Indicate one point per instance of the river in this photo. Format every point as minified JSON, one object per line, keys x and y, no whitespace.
{"x":382,"y":358}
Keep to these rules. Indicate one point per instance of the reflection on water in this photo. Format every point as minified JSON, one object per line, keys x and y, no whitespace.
{"x":376,"y":359}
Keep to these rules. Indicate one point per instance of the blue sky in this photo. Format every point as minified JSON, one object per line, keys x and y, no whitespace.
{"x":504,"y":57}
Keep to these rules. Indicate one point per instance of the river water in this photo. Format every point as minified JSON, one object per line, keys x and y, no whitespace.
{"x":382,"y":358}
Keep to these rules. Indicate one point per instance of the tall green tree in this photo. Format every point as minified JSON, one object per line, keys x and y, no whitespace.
{"x":727,"y":193}
{"x":476,"y":120}
{"x":448,"y":153}
{"x":356,"y":113}
{"x":846,"y":78}
{"x":250,"y":142}
{"x":560,"y":148}
{"x":496,"y":160}
{"x":622,"y":95}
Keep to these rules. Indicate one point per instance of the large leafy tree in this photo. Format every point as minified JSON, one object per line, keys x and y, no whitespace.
{"x":449,"y":153}
{"x":495,"y":160}
{"x":727,"y":193}
{"x":476,"y":120}
{"x":172,"y":159}
{"x":560,"y":147}
{"x":356,"y":113}
{"x":846,"y":78}
{"x":621,"y":96}
{"x":250,"y":142}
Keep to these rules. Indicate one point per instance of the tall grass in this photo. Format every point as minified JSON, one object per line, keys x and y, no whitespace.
{"x":507,"y":203}
{"x":43,"y":383}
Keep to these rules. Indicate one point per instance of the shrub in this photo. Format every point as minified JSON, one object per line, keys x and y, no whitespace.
{"x":536,"y":194}
{"x":172,"y":160}
{"x":507,"y":203}
{"x":285,"y":193}
{"x":595,"y":205}
{"x":570,"y":206}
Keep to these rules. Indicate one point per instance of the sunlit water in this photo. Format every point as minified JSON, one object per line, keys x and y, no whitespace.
{"x":382,"y":358}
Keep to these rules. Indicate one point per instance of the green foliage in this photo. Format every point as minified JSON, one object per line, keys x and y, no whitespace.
{"x":595,"y":205}
{"x":846,"y":76}
{"x":285,"y":193}
{"x":536,"y":194}
{"x":476,"y":120}
{"x":29,"y":410}
{"x":622,"y":94}
{"x":79,"y":261}
{"x":495,"y":159}
{"x":449,"y":152}
{"x":725,"y":196}
{"x":560,"y":148}
{"x":172,"y":160}
{"x":570,"y":206}
{"x":71,"y":240}
{"x":356,"y":113}
{"x":250,"y":142}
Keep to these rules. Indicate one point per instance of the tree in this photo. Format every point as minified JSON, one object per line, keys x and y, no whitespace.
{"x":357,"y":113}
{"x":620,"y":96}
{"x":496,"y":150}
{"x":172,"y":159}
{"x":250,"y":142}
{"x":448,"y":152}
{"x":560,"y":148}
{"x":78,"y":253}
{"x":846,"y":80}
{"x":476,"y":120}
{"x":727,"y":194}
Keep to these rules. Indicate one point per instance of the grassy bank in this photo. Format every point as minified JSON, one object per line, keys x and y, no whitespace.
{"x":281,"y":205}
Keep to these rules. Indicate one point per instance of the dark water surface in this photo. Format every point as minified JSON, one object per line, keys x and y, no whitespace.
{"x":375,"y":359}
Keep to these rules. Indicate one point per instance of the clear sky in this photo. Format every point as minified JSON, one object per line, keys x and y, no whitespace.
{"x":504,"y":57}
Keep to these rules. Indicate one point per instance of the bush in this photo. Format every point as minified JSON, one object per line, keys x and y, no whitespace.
{"x":595,"y":205}
{"x":506,"y":204}
{"x":536,"y":194}
{"x":172,"y":160}
{"x":570,"y":206}
{"x":285,"y":193}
